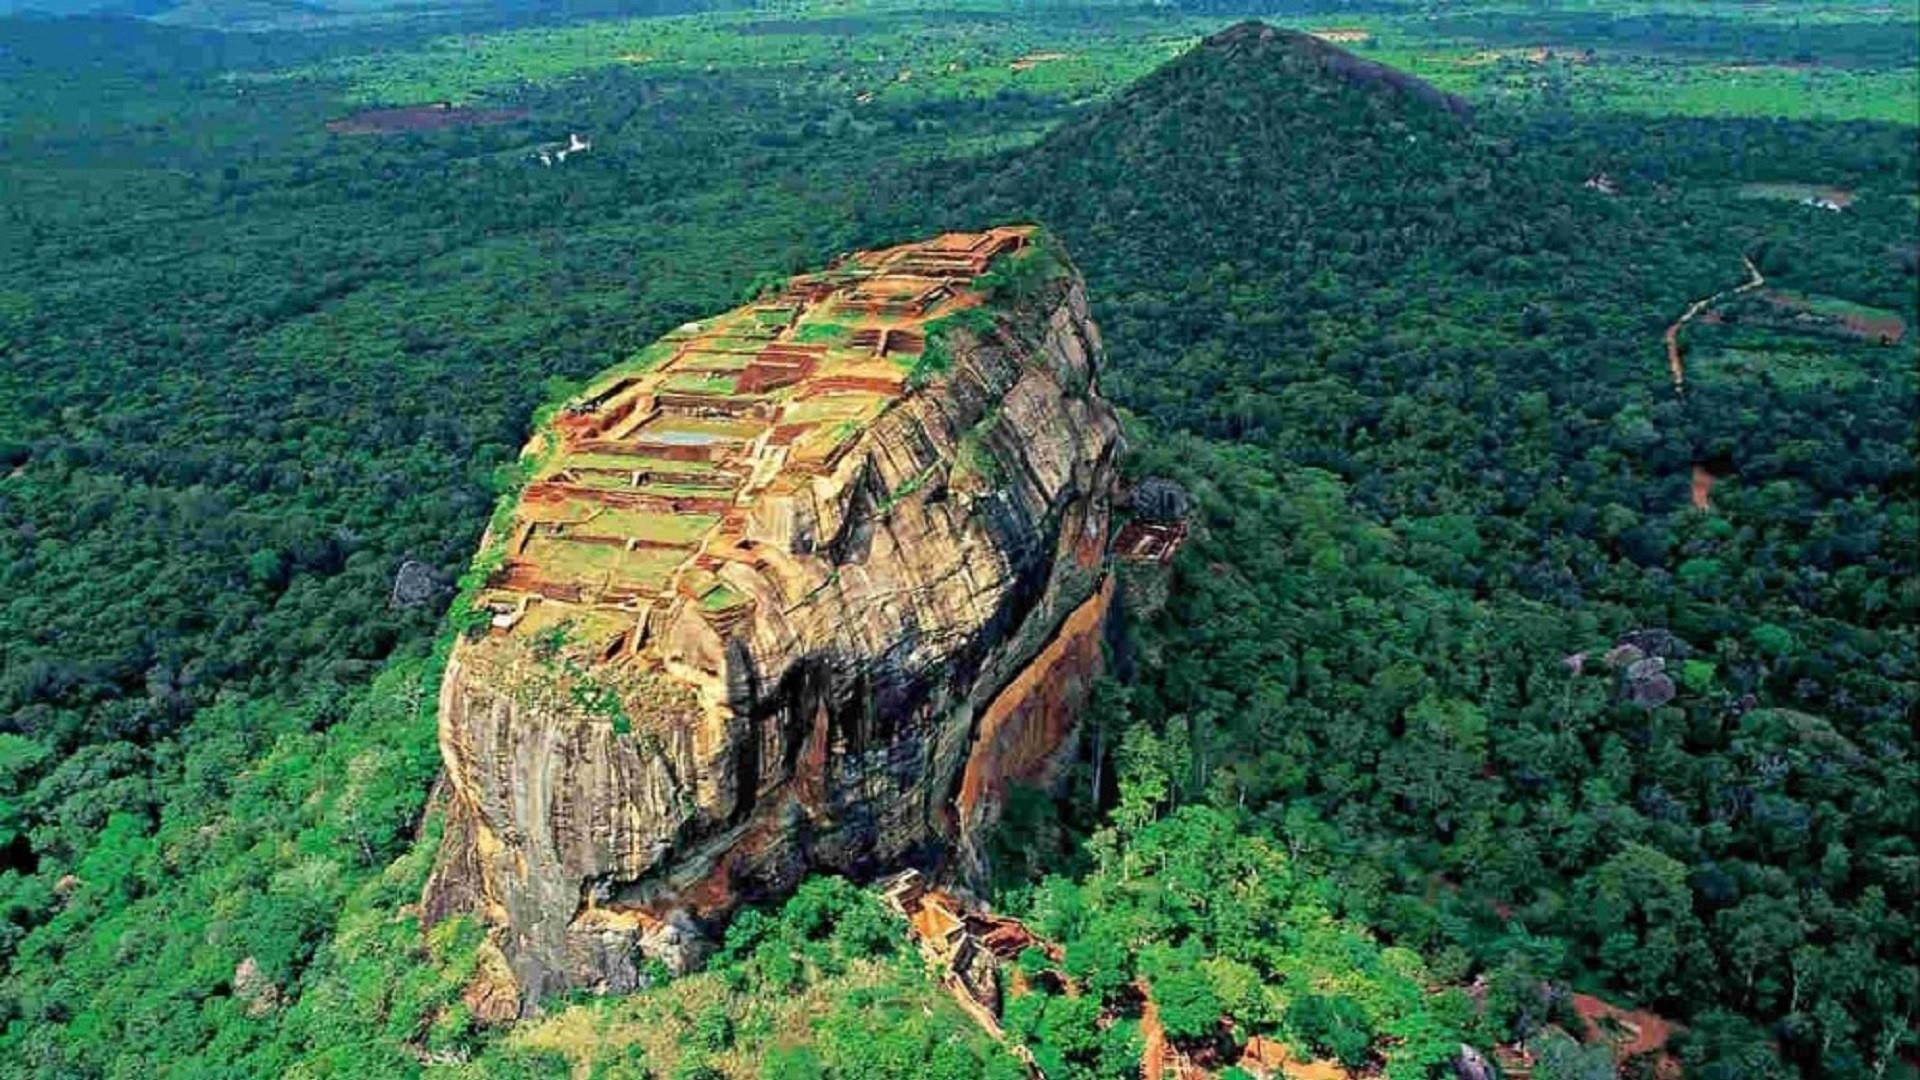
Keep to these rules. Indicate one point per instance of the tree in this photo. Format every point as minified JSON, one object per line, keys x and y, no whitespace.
{"x":1333,"y":1025}
{"x":1183,"y":991}
{"x":1641,"y":909}
{"x":1559,"y":1057}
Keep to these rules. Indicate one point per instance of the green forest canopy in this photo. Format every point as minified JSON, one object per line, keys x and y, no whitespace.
{"x":252,"y":366}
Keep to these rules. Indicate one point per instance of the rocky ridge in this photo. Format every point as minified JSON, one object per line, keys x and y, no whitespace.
{"x":803,"y":587}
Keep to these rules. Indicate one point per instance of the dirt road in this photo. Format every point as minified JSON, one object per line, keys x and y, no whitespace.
{"x":1675,"y":364}
{"x":1677,"y":367}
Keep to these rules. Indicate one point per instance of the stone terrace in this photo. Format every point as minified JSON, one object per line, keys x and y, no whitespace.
{"x":659,"y":464}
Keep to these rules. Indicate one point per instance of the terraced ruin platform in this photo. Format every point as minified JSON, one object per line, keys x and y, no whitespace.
{"x":654,"y":474}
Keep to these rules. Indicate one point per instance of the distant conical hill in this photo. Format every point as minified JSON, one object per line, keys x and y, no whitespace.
{"x":1312,"y":58}
{"x":1261,"y":180}
{"x":1257,"y":137}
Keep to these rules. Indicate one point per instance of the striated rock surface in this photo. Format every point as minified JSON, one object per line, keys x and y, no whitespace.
{"x":803,"y":587}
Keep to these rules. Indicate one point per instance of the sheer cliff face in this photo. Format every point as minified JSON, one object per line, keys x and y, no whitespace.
{"x":771,"y":605}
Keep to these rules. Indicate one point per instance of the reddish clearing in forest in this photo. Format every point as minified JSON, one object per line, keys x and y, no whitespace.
{"x":1884,"y":327}
{"x":1631,"y":1033}
{"x":435,"y":117}
{"x":1702,"y":488}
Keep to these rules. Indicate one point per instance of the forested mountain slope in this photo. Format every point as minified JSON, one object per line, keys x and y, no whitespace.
{"x":1458,"y":513}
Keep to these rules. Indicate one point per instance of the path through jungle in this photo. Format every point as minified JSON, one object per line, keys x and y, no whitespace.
{"x":1676,"y":364}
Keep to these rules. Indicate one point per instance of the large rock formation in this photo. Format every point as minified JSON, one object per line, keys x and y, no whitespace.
{"x":804,"y":587}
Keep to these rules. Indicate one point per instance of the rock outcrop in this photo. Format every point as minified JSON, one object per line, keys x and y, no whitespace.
{"x":804,"y":587}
